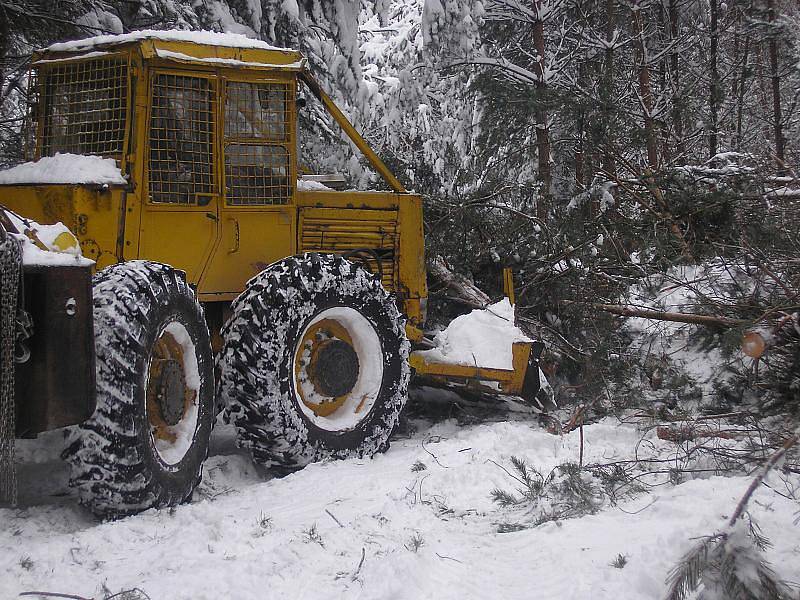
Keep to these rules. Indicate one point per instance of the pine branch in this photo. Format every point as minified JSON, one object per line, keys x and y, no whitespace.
{"x":504,"y":498}
{"x":718,"y":561}
{"x":685,"y":576}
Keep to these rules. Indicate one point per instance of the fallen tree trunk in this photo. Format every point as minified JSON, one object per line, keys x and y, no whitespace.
{"x":458,"y":288}
{"x":658,"y":315}
{"x":689,"y":433}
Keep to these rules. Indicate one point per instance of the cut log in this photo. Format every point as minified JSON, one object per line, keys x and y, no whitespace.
{"x":688,"y":433}
{"x":456,"y":287}
{"x":658,"y":315}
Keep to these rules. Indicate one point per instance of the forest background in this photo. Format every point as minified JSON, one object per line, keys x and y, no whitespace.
{"x":605,"y":150}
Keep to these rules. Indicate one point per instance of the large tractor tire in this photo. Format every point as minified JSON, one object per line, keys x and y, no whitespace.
{"x":315,"y":363}
{"x":145,"y":445}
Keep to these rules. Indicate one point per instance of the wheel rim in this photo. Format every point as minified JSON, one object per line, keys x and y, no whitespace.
{"x":173,"y":387}
{"x":338,"y":368}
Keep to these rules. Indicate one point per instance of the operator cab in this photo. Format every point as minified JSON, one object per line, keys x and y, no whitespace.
{"x":220,"y":109}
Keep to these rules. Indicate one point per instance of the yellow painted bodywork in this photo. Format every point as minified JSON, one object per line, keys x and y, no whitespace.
{"x":493,"y":381}
{"x":508,"y":285}
{"x":221,"y":246}
{"x":95,"y":216}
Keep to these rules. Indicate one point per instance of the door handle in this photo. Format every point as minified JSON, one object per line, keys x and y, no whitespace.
{"x":212,"y":216}
{"x":236,"y":236}
{"x":204,"y":199}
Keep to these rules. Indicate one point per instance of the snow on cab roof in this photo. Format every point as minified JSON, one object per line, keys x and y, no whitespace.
{"x":72,"y":169}
{"x":208,"y":38}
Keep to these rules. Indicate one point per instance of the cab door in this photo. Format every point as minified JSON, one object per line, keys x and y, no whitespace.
{"x":257,"y":214}
{"x":180,"y":220}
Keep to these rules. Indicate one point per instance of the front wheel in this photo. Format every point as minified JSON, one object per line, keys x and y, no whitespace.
{"x":315,"y":363}
{"x":145,"y":445}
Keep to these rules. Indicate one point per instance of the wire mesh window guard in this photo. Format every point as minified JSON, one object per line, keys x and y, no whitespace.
{"x":181,"y":139}
{"x":257,"y":111}
{"x":256,"y":174}
{"x":30,"y":126}
{"x":84,"y":107}
{"x":257,"y":134}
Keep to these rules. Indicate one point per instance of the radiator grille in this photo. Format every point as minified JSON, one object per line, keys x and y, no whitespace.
{"x":339,"y":232}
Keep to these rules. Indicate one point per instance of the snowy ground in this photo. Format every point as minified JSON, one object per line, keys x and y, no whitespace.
{"x":377,"y":528}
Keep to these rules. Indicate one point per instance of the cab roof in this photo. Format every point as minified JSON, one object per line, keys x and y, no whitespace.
{"x":205,"y":47}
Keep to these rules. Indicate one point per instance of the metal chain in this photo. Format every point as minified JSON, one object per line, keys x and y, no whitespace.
{"x":10,"y":265}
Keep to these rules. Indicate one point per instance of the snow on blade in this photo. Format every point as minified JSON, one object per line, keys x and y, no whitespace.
{"x":52,"y":256}
{"x":210,"y":38}
{"x":482,"y":338}
{"x":65,"y":169}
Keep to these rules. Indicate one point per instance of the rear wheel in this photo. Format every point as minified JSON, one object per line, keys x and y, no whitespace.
{"x":146,"y":442}
{"x":315,"y":363}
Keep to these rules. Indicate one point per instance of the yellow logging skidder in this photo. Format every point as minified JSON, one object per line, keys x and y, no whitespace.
{"x":175,"y":264}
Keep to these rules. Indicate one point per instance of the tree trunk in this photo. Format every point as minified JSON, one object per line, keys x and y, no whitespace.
{"x":660,"y":315}
{"x":663,"y":75}
{"x":582,"y":162}
{"x":742,"y":86}
{"x":454,"y":286}
{"x":645,"y":88}
{"x":741,"y":57}
{"x":542,"y":132}
{"x":776,"y":90}
{"x":607,"y":91}
{"x":4,"y":39}
{"x":677,"y":96}
{"x":714,"y":91}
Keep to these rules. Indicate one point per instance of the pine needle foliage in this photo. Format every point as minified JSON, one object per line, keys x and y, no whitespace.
{"x":567,"y":491}
{"x":530,"y":480}
{"x":728,"y":565}
{"x":504,"y":498}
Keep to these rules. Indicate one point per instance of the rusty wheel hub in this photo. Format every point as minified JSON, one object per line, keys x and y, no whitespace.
{"x":168,"y":397}
{"x":333,"y":369}
{"x":326,"y":367}
{"x":170,"y":391}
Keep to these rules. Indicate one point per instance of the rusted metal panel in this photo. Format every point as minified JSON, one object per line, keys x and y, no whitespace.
{"x":56,"y":386}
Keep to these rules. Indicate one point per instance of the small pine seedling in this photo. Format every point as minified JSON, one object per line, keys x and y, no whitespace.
{"x":530,"y":478}
{"x":415,"y":542}
{"x":26,"y":563}
{"x":620,"y":561}
{"x":264,"y":522}
{"x":312,"y":535}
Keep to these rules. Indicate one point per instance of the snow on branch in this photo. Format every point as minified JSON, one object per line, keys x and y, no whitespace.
{"x":516,"y":72}
{"x":513,"y":10}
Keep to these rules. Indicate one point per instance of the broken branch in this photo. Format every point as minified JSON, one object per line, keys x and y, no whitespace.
{"x":659,"y":315}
